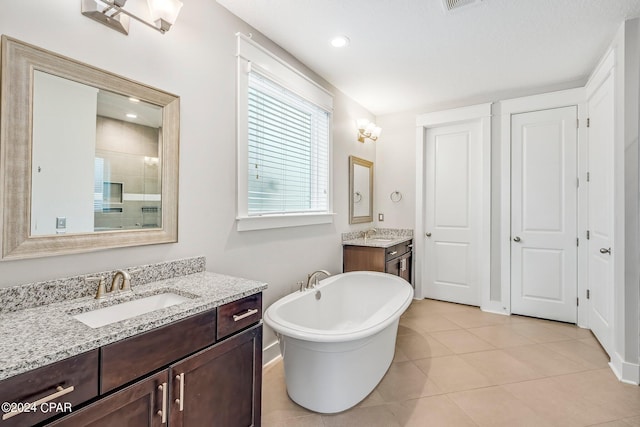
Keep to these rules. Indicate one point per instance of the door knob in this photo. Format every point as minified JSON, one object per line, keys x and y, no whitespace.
{"x":428,"y":234}
{"x":516,"y":239}
{"x":605,"y":251}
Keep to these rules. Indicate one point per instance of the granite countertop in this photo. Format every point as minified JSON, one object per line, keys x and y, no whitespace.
{"x":377,"y":242}
{"x":38,"y":336}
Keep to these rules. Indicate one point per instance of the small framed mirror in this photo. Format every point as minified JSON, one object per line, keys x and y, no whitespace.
{"x":88,"y":159}
{"x":360,"y":190}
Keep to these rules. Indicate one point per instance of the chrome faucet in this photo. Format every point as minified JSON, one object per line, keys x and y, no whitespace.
{"x":314,"y":277}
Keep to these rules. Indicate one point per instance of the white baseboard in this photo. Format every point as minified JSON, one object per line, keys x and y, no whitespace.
{"x":270,"y":354}
{"x":626,"y":372}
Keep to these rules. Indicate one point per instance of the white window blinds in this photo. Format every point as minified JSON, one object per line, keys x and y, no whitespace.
{"x":288,"y":151}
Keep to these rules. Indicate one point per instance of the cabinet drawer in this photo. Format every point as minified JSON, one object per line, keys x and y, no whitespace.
{"x":239,"y":314}
{"x":398,"y":250}
{"x":131,"y":358}
{"x":73,"y":381}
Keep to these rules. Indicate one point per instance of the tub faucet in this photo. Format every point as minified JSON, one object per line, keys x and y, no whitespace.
{"x":314,"y":277}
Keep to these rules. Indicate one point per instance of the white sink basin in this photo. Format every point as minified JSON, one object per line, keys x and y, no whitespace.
{"x":127,"y":310}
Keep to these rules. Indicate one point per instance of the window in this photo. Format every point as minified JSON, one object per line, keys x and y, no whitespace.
{"x":284,"y":144}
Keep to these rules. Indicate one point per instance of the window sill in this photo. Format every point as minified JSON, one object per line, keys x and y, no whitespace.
{"x":265,"y":222}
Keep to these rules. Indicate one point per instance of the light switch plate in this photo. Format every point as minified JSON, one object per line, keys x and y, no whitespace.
{"x":381,"y":217}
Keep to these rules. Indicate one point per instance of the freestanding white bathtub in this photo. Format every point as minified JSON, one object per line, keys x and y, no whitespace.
{"x":337,"y":348}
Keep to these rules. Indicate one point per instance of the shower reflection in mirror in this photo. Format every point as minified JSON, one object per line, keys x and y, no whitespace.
{"x":96,"y":158}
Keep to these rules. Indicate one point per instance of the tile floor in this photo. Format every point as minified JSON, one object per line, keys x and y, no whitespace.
{"x":458,"y":366}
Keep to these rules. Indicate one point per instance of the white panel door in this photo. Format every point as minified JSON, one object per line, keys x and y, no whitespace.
{"x":544,"y":214}
{"x":600,"y":185}
{"x":452,"y":215}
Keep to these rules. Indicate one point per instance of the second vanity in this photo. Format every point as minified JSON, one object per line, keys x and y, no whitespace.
{"x":198,"y":362}
{"x":385,"y":250}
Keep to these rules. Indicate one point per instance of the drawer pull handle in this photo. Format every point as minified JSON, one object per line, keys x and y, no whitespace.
{"x":60,"y":391}
{"x":393,"y":253}
{"x":163,"y":412}
{"x":180,"y":400}
{"x":249,"y":312}
{"x":403,"y":264}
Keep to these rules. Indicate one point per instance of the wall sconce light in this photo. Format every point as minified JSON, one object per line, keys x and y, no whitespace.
{"x":112,"y":14}
{"x":367,"y":129}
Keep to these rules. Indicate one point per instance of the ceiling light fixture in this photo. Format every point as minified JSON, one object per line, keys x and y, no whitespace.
{"x":340,"y":41}
{"x":112,"y":14}
{"x":367,"y":129}
{"x":132,"y":115}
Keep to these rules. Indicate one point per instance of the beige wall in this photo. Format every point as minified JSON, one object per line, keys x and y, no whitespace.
{"x":195,"y":60}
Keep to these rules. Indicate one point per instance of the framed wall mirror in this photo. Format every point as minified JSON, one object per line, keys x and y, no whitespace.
{"x":88,"y":159}
{"x":360,"y":190}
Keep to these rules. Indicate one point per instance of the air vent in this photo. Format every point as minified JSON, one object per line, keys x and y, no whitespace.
{"x":450,"y":5}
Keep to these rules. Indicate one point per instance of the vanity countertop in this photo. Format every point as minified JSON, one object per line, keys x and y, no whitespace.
{"x":377,"y":242}
{"x":35,"y":337}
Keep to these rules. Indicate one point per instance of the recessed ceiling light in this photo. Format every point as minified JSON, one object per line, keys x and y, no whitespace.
{"x":134,"y":100}
{"x":340,"y":41}
{"x":132,"y":115}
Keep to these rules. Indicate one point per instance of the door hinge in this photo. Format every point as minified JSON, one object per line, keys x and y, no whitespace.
{"x":578,"y":301}
{"x":588,"y":122}
{"x":588,"y":176}
{"x":588,"y":294}
{"x":577,"y":123}
{"x":588,"y":235}
{"x":578,"y":182}
{"x":577,"y":241}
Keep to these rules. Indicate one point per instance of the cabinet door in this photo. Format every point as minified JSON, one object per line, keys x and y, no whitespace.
{"x":140,"y":405}
{"x":404,"y":267}
{"x":400,"y":266}
{"x":221,"y":385}
{"x":393,"y":267}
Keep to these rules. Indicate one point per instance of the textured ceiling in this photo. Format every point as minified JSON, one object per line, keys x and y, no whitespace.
{"x":408,"y":54}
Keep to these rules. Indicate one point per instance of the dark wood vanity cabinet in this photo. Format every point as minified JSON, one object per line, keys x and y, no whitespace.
{"x":191,"y":379}
{"x":396,"y":259}
{"x":218,"y":386}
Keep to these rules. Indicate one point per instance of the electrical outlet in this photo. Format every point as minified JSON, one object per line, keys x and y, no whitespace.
{"x":61,"y":222}
{"x":381,"y":217}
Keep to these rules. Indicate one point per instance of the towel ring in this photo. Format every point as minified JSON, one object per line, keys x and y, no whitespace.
{"x":396,"y":196}
{"x":357,"y":197}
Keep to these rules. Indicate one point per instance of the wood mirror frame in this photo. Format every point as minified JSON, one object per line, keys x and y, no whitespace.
{"x":353,"y":219}
{"x":18,"y":63}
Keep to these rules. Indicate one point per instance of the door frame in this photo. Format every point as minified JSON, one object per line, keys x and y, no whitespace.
{"x":565,"y":98}
{"x":482,"y":114}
